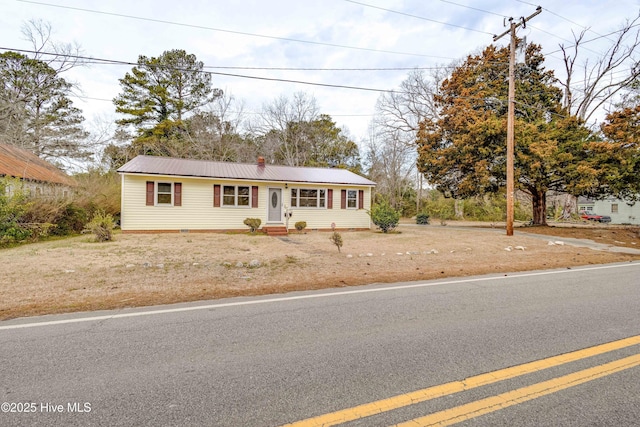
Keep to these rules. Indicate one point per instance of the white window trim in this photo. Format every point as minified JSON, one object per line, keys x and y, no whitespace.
{"x":355,"y":198}
{"x":318,"y":198}
{"x":156,"y":193}
{"x":235,"y":197}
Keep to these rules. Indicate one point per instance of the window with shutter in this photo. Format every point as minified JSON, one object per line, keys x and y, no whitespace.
{"x":163,"y":193}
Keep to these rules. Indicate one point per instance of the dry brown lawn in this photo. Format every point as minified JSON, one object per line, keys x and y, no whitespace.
{"x":76,"y":274}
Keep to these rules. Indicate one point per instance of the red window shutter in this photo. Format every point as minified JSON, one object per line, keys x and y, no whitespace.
{"x":254,"y":196}
{"x":150,"y":191}
{"x":330,"y":198}
{"x":343,"y":199}
{"x":177,"y":194}
{"x":360,"y":199}
{"x":216,"y":195}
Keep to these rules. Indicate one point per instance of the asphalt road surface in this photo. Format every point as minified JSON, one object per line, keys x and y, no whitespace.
{"x":550,"y":348}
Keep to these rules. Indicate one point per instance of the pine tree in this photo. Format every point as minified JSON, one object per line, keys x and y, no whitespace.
{"x":35,"y":110}
{"x":159,"y":94}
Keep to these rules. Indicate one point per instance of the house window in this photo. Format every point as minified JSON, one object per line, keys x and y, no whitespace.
{"x":236,"y":195}
{"x":164,"y":193}
{"x":352,"y":199}
{"x":614,"y":208}
{"x":308,"y":198}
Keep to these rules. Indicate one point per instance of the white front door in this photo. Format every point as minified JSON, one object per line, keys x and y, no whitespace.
{"x":275,"y":205}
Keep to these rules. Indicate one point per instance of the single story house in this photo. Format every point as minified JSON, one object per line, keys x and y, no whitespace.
{"x":183,"y":195}
{"x":37,"y":177}
{"x":620,"y":211}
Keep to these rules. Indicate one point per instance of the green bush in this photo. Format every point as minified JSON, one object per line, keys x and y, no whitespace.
{"x":336,"y":239}
{"x":253,"y":224}
{"x":101,"y":225}
{"x":422,"y":218}
{"x":301,"y":225}
{"x":12,"y":210}
{"x":71,"y":220}
{"x":384,"y":216}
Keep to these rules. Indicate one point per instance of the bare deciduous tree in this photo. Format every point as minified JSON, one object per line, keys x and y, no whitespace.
{"x":282,"y":126}
{"x":216,"y":132}
{"x":391,"y":150}
{"x":59,"y":56}
{"x":403,"y":109}
{"x":604,"y":79}
{"x":391,"y":164}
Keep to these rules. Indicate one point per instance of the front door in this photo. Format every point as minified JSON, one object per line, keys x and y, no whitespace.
{"x":275,"y":205}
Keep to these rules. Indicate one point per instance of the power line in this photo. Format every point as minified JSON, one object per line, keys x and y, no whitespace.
{"x":202,"y":27}
{"x":473,"y":8}
{"x":239,"y":67}
{"x":417,"y":17}
{"x":563,"y":18}
{"x":100,"y":61}
{"x":324,"y":69}
{"x":217,"y":73}
{"x":530,"y":26}
{"x":230,"y":111}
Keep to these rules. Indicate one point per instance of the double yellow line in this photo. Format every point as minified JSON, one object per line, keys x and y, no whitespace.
{"x":490,"y":404}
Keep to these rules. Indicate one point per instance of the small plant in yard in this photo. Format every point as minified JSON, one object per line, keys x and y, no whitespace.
{"x":253,"y":224}
{"x":336,"y":239}
{"x":384,"y":216}
{"x":101,"y":225}
{"x":301,"y":225}
{"x":422,"y":218}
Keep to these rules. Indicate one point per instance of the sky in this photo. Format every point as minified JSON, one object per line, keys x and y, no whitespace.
{"x":368,"y":44}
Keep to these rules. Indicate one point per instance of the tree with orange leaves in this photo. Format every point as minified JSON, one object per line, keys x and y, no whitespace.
{"x":463,"y":152}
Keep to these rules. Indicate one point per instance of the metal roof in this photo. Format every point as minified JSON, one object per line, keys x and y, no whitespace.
{"x":153,"y":165}
{"x":18,"y":163}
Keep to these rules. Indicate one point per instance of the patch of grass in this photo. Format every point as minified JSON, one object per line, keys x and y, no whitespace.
{"x":290,"y":259}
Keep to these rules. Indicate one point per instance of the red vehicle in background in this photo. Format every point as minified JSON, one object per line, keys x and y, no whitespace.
{"x":592,"y":216}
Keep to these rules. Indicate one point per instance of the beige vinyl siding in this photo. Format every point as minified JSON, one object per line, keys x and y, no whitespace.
{"x":322,"y":218}
{"x":197,"y":211}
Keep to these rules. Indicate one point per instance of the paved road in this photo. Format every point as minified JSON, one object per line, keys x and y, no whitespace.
{"x":276,"y":360}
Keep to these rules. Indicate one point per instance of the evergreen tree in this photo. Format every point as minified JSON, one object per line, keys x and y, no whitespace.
{"x":464,"y":151}
{"x":158,"y":95}
{"x":35,"y":110}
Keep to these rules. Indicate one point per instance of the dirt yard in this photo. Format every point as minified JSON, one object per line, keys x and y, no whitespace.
{"x":76,"y":274}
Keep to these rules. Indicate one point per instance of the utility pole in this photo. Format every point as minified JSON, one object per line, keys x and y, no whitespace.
{"x":511,"y":112}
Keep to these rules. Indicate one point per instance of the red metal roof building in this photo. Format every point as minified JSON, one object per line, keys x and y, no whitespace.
{"x":162,"y":194}
{"x":18,"y":163}
{"x":153,"y":165}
